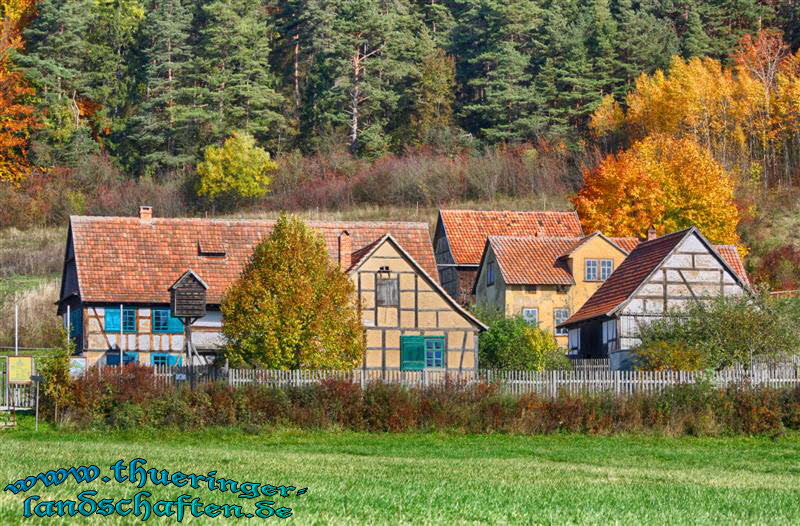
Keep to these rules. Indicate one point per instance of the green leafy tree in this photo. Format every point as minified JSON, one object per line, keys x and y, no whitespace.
{"x":54,"y":370}
{"x":727,"y":330}
{"x":513,"y":344}
{"x":238,"y":169}
{"x":293,"y":307}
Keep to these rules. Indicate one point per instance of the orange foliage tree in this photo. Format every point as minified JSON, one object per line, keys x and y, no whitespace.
{"x":661,"y":181}
{"x":16,"y":118}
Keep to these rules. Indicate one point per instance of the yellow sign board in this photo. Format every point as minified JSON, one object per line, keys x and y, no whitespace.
{"x":20,"y":369}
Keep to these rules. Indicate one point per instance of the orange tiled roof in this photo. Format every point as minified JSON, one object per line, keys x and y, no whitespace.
{"x":626,"y":243}
{"x":533,"y":260}
{"x":731,"y":255}
{"x":125,"y":259}
{"x":636,"y":268}
{"x":467,"y":230}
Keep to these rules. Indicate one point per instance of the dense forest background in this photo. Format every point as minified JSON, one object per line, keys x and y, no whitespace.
{"x":109,"y":104}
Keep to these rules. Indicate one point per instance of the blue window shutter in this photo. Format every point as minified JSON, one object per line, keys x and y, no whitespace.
{"x":130,"y":357}
{"x":412,"y":353}
{"x":173,"y":360}
{"x":111,"y":323}
{"x":175,"y":325}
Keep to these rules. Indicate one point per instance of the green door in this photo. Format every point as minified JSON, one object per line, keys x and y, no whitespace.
{"x":412,"y":353}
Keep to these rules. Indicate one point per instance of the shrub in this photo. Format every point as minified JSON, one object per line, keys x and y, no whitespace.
{"x":728,"y":330}
{"x":100,"y":401}
{"x":513,"y":344}
{"x":663,"y":355}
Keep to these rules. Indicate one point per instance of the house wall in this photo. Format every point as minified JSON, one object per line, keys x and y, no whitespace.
{"x":96,"y":341}
{"x":512,"y":299}
{"x":691,"y":273}
{"x":494,"y":295}
{"x":422,"y":311}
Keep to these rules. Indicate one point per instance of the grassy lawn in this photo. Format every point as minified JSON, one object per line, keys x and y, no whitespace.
{"x":439,"y":479}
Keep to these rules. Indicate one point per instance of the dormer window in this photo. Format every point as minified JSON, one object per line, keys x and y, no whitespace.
{"x":210,"y":249}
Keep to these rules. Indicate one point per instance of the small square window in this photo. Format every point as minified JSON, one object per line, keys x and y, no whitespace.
{"x":560,"y":316}
{"x":387,"y":292}
{"x":590,"y":271}
{"x":531,"y":316}
{"x":434,"y":352}
{"x":606,"y":268}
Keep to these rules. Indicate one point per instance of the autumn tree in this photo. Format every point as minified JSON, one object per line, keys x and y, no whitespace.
{"x":238,"y":169}
{"x":17,"y":118}
{"x":662,"y":181}
{"x":292,"y":307}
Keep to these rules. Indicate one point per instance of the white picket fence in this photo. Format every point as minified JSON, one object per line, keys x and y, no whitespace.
{"x":548,"y":383}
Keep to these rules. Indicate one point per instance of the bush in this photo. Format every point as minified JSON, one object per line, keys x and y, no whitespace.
{"x":663,"y":355}
{"x":127,"y":398}
{"x":725,"y":330}
{"x":513,"y":344}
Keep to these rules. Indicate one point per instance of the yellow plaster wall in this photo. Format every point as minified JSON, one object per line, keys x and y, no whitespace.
{"x":513,"y":298}
{"x":423,"y":310}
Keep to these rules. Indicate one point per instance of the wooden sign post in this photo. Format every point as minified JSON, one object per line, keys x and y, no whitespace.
{"x":188,"y":302}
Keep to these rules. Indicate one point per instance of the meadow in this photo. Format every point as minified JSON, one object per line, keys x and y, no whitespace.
{"x":360,"y":478}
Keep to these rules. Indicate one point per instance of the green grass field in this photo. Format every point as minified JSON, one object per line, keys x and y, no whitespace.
{"x":439,"y":479}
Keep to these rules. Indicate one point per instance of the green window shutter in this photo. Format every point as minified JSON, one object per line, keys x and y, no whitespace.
{"x":111,"y":323}
{"x":412,"y":353}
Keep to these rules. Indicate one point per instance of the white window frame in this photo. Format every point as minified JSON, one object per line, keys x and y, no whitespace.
{"x":562,"y":331}
{"x":596,"y":268}
{"x":527,"y":319}
{"x":606,"y":263}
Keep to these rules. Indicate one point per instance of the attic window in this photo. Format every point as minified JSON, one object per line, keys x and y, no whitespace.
{"x":211,"y":249}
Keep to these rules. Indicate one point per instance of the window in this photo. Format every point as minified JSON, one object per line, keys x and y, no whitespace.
{"x":111,"y":322}
{"x":434,"y":352}
{"x":165,"y":323}
{"x":387,"y":292}
{"x":574,"y":339}
{"x":590,"y":270}
{"x":560,"y":316}
{"x":165,"y":359}
{"x":112,"y":358}
{"x":531,"y":316}
{"x":490,"y":273}
{"x":606,"y":268}
{"x":421,"y":352}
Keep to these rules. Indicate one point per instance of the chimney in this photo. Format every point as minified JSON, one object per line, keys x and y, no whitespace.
{"x":651,"y":233}
{"x":345,"y":250}
{"x":145,"y":213}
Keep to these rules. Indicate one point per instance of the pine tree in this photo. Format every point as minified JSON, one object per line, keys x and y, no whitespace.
{"x":494,"y":43}
{"x":240,"y":90}
{"x":164,"y":129}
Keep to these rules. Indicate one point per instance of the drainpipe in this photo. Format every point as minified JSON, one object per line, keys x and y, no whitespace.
{"x":121,"y":323}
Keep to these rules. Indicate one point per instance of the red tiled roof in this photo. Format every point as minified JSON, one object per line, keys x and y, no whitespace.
{"x":467,"y":230}
{"x":534,"y":260}
{"x":626,"y":243}
{"x":628,"y":276}
{"x":641,"y":262}
{"x":125,"y":259}
{"x":731,"y":255}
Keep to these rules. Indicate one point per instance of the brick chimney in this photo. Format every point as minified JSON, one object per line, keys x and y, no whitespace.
{"x":651,"y":233}
{"x":145,"y":213}
{"x":345,"y":250}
